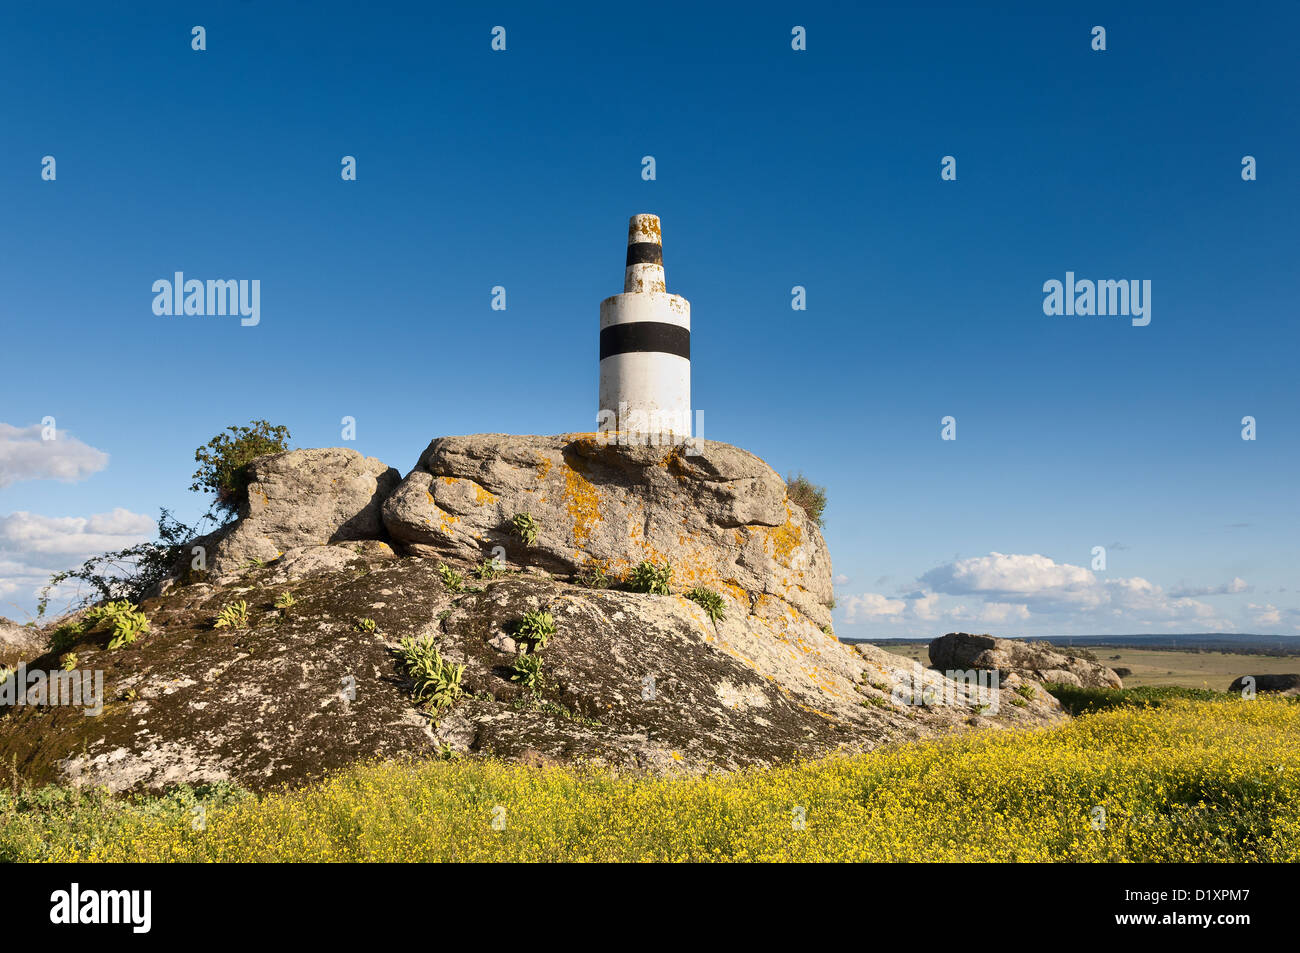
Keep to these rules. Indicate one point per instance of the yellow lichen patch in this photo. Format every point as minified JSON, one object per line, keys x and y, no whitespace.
{"x":543,"y":466}
{"x":785,"y":538}
{"x":482,"y":497}
{"x":429,"y":495}
{"x":583,"y":504}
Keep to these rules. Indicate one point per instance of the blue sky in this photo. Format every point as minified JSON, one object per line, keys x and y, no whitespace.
{"x":775,"y":168}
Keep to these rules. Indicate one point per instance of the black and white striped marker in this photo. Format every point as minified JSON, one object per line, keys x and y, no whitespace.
{"x":645,"y":344}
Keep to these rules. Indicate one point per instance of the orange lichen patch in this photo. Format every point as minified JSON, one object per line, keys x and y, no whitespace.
{"x":482,"y":497}
{"x":543,"y":466}
{"x":784,"y":538}
{"x":429,"y":495}
{"x":583,"y":504}
{"x":735,"y":591}
{"x":448,"y":521}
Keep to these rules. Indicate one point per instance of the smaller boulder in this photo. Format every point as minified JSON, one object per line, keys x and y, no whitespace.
{"x":1282,"y":684}
{"x":1041,"y":663}
{"x":305,"y":498}
{"x":19,"y":642}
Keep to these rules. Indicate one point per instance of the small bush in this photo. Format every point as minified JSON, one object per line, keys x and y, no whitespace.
{"x":710,"y":601}
{"x":807,"y":495}
{"x":437,"y":681}
{"x":652,"y":577}
{"x":129,"y":573}
{"x":68,"y":661}
{"x":525,"y":528}
{"x":366,"y":625}
{"x":527,"y":672}
{"x":1026,"y":691}
{"x":285,"y":600}
{"x":224,"y":462}
{"x":537,"y":626}
{"x":232,"y":616}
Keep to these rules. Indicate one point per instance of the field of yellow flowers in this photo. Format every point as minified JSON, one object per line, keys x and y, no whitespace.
{"x":1190,"y":781}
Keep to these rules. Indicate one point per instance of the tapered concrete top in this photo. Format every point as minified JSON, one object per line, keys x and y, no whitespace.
{"x":644,"y":271}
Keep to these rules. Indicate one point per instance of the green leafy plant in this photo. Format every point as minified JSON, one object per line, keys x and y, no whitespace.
{"x":232,"y":616}
{"x":527,"y":672}
{"x":285,"y":600}
{"x":593,"y":576}
{"x":807,"y":495}
{"x":453,"y":580}
{"x":710,"y":601}
{"x":68,"y":661}
{"x":489,"y":569}
{"x":537,"y":626}
{"x":366,"y":625}
{"x":652,"y":577}
{"x":525,"y":528}
{"x":6,"y":673}
{"x":1026,"y":691}
{"x":437,"y":681}
{"x":121,"y":619}
{"x":224,"y":462}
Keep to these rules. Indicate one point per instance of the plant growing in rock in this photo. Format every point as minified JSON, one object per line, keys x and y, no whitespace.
{"x":807,"y":495}
{"x":437,"y":681}
{"x":651,"y":577}
{"x":68,"y":661}
{"x":527,"y":672}
{"x":489,"y":569}
{"x":224,"y":462}
{"x":453,"y":580}
{"x":710,"y":602}
{"x":123,"y":620}
{"x":232,"y":616}
{"x":525,"y":528}
{"x":537,"y":626}
{"x":1026,"y":691}
{"x":366,"y":625}
{"x":285,"y":600}
{"x":593,"y":576}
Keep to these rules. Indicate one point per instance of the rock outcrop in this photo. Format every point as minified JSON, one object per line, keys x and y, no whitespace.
{"x":1027,"y":660}
{"x":19,"y":642}
{"x":1282,"y":684}
{"x":721,"y":517}
{"x":632,"y":681}
{"x":304,"y":498}
{"x":312,"y":680}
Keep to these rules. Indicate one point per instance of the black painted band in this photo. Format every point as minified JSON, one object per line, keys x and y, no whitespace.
{"x":645,"y":336}
{"x":645,"y":253}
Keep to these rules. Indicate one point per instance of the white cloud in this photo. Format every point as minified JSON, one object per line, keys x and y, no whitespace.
{"x":1011,"y":590}
{"x":25,"y":456}
{"x":30,"y":534}
{"x":33,"y":547}
{"x":1224,"y":589}
{"x":871,"y":605}
{"x":1013,"y":578}
{"x":1267,"y":614}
